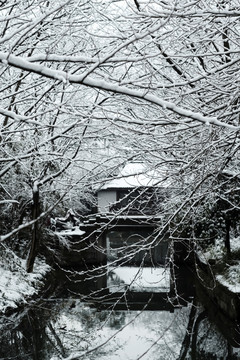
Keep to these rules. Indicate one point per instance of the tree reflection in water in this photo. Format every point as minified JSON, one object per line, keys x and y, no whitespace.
{"x":56,"y":330}
{"x":209,"y":343}
{"x":22,"y":336}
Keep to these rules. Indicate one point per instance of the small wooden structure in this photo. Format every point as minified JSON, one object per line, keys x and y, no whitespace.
{"x":130,"y":203}
{"x":126,"y":223}
{"x":135,"y":191}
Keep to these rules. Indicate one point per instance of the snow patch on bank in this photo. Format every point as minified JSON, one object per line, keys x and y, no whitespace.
{"x":17,"y":286}
{"x":230,"y":277}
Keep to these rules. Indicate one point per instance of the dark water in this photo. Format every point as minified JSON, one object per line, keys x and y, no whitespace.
{"x":78,"y":324}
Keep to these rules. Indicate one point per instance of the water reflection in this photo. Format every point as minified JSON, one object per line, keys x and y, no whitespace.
{"x":70,"y":329}
{"x":23,"y":336}
{"x":209,"y":343}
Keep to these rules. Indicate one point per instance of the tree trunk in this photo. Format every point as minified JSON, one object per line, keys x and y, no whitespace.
{"x":35,"y":235}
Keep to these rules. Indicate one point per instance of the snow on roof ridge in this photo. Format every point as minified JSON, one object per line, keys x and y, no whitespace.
{"x":136,"y":175}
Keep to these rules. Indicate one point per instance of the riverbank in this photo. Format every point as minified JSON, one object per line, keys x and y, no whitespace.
{"x":218,"y":278}
{"x":17,"y":287}
{"x":225,"y":267}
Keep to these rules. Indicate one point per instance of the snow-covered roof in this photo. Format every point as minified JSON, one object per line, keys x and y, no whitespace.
{"x":135,"y":175}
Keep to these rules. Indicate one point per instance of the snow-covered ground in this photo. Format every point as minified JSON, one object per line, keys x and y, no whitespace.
{"x":17,"y":286}
{"x":230,"y":277}
{"x":139,"y":279}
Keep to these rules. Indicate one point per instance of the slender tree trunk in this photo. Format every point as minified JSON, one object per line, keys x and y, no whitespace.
{"x":35,"y":234}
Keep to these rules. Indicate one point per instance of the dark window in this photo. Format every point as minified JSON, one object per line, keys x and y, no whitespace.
{"x":140,"y":201}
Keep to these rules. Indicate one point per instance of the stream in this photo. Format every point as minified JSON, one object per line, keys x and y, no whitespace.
{"x":146,"y":322}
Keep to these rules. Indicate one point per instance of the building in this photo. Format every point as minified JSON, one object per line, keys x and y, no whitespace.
{"x":132,"y":202}
{"x":136,"y":191}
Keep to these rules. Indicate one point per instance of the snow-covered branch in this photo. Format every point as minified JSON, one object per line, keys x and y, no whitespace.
{"x":96,"y":83}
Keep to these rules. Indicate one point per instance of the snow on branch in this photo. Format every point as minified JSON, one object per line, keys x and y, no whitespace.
{"x":18,"y":117}
{"x":8,"y":202}
{"x":31,"y":24}
{"x":90,"y":81}
{"x":87,"y":59}
{"x":179,"y":13}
